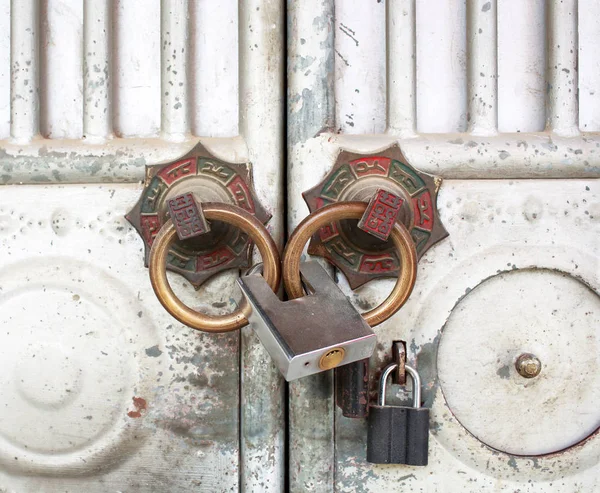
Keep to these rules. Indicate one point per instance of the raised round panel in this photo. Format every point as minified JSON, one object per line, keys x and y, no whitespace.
{"x":63,"y":369}
{"x":540,"y":311}
{"x":72,"y":366}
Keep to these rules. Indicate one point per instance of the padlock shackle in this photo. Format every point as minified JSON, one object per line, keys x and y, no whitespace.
{"x":416,"y":381}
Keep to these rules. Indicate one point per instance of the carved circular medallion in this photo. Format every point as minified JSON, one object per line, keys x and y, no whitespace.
{"x":487,"y":312}
{"x":540,"y":311}
{"x":74,"y":381}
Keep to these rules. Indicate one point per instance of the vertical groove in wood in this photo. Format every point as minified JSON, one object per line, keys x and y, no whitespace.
{"x":311,"y":88}
{"x":136,"y":68}
{"x":24,"y":82}
{"x":521,"y":66}
{"x":175,"y":120}
{"x":562,"y":110}
{"x":482,"y":68}
{"x":214,"y":68}
{"x":311,"y":111}
{"x":97,"y":69}
{"x":261,"y":117}
{"x":4,"y":69}
{"x":588,"y":25}
{"x":401,"y":67}
{"x":360,"y":68}
{"x":441,"y":48}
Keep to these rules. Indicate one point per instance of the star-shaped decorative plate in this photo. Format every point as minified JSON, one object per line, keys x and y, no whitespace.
{"x":359,"y":255}
{"x":210,"y":180}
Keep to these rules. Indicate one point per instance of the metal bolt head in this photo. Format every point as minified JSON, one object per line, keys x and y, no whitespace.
{"x":332,"y":358}
{"x":528,"y":365}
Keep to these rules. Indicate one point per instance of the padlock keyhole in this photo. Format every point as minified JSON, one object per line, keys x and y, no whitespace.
{"x":332,"y":358}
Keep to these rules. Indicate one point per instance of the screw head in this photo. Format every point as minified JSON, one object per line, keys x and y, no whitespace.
{"x":332,"y":358}
{"x":528,"y":365}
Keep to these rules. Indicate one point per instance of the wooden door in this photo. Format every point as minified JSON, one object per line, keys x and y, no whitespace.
{"x":102,"y":390}
{"x":499,"y":99}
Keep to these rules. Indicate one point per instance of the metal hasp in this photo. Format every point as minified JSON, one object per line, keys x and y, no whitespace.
{"x":210,"y":180}
{"x":356,"y":177}
{"x":352,"y":389}
{"x":398,"y":434}
{"x":399,"y":357}
{"x":352,"y":383}
{"x":312,"y":333}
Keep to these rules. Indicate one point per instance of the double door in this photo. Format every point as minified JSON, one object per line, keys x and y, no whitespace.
{"x":102,"y":390}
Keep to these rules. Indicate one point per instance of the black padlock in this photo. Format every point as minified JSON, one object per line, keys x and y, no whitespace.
{"x":396,"y":434}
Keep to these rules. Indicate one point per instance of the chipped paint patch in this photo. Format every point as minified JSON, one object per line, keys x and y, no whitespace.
{"x":140,"y":405}
{"x":153,"y":352}
{"x":495,"y":241}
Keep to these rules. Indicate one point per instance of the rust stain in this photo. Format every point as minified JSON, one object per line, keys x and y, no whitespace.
{"x":140,"y":405}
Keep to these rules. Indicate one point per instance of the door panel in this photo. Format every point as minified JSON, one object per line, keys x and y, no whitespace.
{"x":520,"y":268}
{"x":104,"y":390}
{"x":519,"y":271}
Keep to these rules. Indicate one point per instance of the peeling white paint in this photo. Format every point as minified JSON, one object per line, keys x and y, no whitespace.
{"x":495,"y":226}
{"x":504,"y":231}
{"x":150,"y":75}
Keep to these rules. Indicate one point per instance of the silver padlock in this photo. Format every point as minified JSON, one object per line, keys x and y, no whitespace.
{"x":308,"y":335}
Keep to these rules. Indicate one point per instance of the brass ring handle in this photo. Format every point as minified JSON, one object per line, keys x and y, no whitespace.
{"x":351,"y":210}
{"x":237,"y":217}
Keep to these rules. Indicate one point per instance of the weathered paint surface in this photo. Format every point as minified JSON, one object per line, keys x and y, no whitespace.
{"x":521,"y":66}
{"x":544,"y":89}
{"x":262,"y":91}
{"x":360,"y":86}
{"x":61,"y":69}
{"x":115,"y":160}
{"x":441,"y":77}
{"x":556,"y":315}
{"x":116,"y":395}
{"x":174,"y":46}
{"x":311,"y":59}
{"x":482,"y":67}
{"x":311,"y":111}
{"x":519,"y":271}
{"x":97,"y":71}
{"x":441,"y":101}
{"x":100,"y":383}
{"x":587,"y":64}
